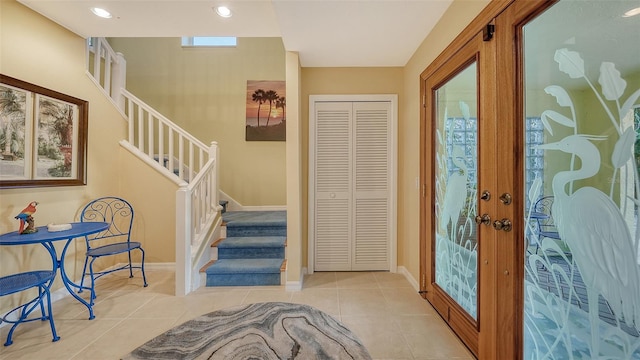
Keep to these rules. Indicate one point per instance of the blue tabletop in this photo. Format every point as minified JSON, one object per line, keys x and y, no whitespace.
{"x":43,"y":235}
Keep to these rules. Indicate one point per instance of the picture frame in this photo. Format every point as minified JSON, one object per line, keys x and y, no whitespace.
{"x":43,"y":136}
{"x":266,"y":103}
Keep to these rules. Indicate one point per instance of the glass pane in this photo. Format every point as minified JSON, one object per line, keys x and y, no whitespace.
{"x":582,"y":278}
{"x":455,"y":179}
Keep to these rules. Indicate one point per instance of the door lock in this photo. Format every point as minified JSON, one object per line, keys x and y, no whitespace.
{"x":504,"y":225}
{"x":506,"y":198}
{"x":483,"y":219}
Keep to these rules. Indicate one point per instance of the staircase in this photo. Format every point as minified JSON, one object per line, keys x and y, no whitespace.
{"x":172,"y":152}
{"x":253,"y":252}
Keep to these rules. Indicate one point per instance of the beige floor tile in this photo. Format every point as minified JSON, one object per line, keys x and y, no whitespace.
{"x":349,"y":280}
{"x":391,"y":280}
{"x":262,"y":295}
{"x":323,"y":299}
{"x":121,"y":305}
{"x":171,"y":307}
{"x":362,"y":302}
{"x":205,"y":302}
{"x":430,"y":338}
{"x":320,"y":280}
{"x":406,"y":301}
{"x":123,"y":338}
{"x":380,"y":335}
{"x":37,"y":344}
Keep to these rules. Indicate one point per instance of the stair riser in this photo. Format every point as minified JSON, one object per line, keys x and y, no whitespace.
{"x":243,"y":279}
{"x":251,"y":253}
{"x":257,"y":231}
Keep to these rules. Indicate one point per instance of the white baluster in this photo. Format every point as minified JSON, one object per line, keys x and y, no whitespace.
{"x":150,"y":131}
{"x":119,"y":79}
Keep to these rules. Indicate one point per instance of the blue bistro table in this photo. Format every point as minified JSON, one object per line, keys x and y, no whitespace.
{"x":46,"y":239}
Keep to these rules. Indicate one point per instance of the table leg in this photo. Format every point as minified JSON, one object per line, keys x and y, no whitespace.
{"x":68,"y":283}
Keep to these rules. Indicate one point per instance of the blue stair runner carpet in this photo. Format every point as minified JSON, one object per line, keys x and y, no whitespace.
{"x":253,"y":252}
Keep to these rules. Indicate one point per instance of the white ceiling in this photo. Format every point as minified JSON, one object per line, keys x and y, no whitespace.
{"x":325,"y":33}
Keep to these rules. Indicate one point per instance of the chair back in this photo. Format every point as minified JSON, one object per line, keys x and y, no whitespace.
{"x":117,"y":212}
{"x":544,"y":205}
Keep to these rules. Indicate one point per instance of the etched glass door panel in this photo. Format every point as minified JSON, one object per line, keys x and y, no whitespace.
{"x":455,"y":189}
{"x":581,"y":276}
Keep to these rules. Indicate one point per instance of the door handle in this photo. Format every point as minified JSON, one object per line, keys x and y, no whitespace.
{"x":483,"y":219}
{"x":506,"y":198}
{"x":504,"y":225}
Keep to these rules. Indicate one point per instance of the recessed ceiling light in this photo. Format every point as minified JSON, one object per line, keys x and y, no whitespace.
{"x":101,"y":12}
{"x":223,"y":11}
{"x":632,"y":12}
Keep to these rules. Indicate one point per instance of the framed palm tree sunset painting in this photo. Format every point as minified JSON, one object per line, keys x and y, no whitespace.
{"x":266,"y":111}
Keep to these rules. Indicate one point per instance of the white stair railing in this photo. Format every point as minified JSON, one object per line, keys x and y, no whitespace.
{"x":109,"y":69}
{"x":163,"y":141}
{"x":169,"y":149}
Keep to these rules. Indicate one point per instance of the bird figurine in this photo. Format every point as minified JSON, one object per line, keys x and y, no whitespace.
{"x":25,"y":216}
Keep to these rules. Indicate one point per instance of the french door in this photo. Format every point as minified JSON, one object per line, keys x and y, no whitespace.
{"x":459,"y":138}
{"x":540,"y":259}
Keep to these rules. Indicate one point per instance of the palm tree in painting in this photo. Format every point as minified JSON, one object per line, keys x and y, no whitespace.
{"x":281,"y":103}
{"x":11,"y":115}
{"x":259,"y":97}
{"x":58,"y":126}
{"x":61,"y":116}
{"x":271,"y":96}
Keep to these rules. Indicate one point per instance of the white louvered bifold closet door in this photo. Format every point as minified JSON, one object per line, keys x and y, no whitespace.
{"x":371,"y":185}
{"x":333,"y":203}
{"x":351,"y":185}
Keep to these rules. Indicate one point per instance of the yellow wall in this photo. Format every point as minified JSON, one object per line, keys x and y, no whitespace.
{"x":204,"y":91}
{"x":294,"y":173}
{"x":36,"y":50}
{"x":458,"y":15}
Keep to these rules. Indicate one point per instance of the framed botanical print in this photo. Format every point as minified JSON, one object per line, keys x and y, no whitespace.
{"x":43,"y":136}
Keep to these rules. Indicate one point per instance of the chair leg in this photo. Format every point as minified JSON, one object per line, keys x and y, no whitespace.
{"x":53,"y":326}
{"x":144,"y":277}
{"x":41,"y":291}
{"x":130,"y":267}
{"x":93,"y":281}
{"x":84,"y":272}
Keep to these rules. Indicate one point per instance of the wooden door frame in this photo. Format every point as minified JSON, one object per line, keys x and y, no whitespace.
{"x":510,"y":267}
{"x":501,"y":334}
{"x":480,"y":53}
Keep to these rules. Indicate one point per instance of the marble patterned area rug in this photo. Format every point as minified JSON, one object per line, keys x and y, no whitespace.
{"x":272,"y":330}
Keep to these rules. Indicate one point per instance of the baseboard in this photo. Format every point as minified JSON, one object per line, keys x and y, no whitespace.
{"x":265,"y":208}
{"x":234,"y":205}
{"x":403,"y":270}
{"x":296,"y":285}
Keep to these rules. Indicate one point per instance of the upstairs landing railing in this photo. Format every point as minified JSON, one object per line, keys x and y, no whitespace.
{"x":169,"y":149}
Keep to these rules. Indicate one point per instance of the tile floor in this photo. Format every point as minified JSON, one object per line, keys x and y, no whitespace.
{"x":382,"y":309}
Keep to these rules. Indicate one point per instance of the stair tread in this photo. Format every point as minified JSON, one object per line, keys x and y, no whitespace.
{"x":255,"y":218}
{"x":252,"y":242}
{"x":244,"y":266}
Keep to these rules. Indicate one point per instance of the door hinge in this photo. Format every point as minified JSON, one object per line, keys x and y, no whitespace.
{"x":424,"y":100}
{"x":424,"y":190}
{"x":424,"y":282}
{"x":487,"y":32}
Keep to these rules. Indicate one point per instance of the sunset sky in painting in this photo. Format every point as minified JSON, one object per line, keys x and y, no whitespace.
{"x":252,"y":106}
